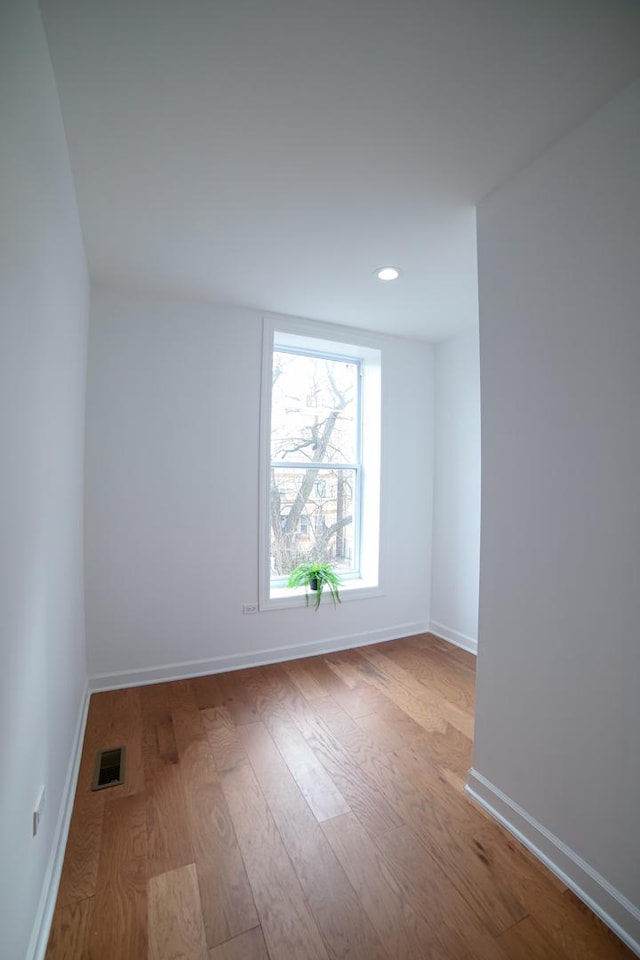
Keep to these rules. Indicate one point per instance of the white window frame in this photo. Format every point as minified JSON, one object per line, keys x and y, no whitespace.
{"x":305,"y":336}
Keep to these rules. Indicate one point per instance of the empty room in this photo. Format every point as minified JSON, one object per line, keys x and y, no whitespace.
{"x":319,"y":515}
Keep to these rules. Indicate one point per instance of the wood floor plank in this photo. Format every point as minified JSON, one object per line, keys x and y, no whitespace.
{"x":441,"y":818}
{"x":350,"y":672}
{"x":457,"y":779}
{"x":402,"y":932}
{"x":355,"y":784}
{"x":350,"y":732}
{"x":318,"y":788}
{"x":394,"y":718}
{"x":411,"y":785}
{"x":304,"y":679}
{"x":119,"y":918}
{"x":236,"y":700}
{"x":581,"y":934}
{"x":425,"y":885}
{"x":430,"y":643}
{"x":248,"y":946}
{"x":328,"y":716}
{"x":429,"y":779}
{"x":113,"y":719}
{"x":425,"y":713}
{"x":82,"y":855}
{"x":69,"y":934}
{"x":288,"y":926}
{"x":424,"y":700}
{"x":386,"y":735}
{"x":535,"y":886}
{"x":273,"y":693}
{"x":326,"y":679}
{"x":576,"y":932}
{"x":346,"y":930}
{"x":166,"y":740}
{"x":433,"y":649}
{"x":227,"y":902}
{"x":208,"y":692}
{"x":169,"y":839}
{"x":155,"y":703}
{"x":175,"y":916}
{"x":225,"y":690}
{"x":527,"y":941}
{"x":565,"y":929}
{"x":214,"y":803}
{"x":348,"y":668}
{"x":435,"y":672}
{"x":489,"y":893}
{"x":448,"y":749}
{"x":222,"y":735}
{"x":116,"y":722}
{"x":279,"y":702}
{"x":167,"y":828}
{"x":357,"y":701}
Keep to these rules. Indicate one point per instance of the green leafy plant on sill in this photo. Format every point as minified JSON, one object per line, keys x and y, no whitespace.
{"x":317,"y":577}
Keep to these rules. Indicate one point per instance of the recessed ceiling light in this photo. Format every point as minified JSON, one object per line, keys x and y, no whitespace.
{"x":387,"y":273}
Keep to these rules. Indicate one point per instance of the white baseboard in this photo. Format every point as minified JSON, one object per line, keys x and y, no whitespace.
{"x":453,"y":636}
{"x":42,"y":924}
{"x":252,"y":658}
{"x":618,"y":912}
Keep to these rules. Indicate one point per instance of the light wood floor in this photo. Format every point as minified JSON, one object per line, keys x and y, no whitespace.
{"x":305,"y":811}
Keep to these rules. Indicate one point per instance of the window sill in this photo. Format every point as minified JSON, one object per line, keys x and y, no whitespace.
{"x":282,"y":598}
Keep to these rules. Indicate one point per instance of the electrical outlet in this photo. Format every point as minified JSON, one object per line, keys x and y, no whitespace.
{"x":249,"y":607}
{"x":39,"y":810}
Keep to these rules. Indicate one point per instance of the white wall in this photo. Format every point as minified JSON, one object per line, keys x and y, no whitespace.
{"x":43,"y":317}
{"x":172,"y":493}
{"x":558,"y":713}
{"x":456,"y":492}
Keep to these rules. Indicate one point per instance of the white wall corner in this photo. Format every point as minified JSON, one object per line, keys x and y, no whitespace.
{"x":613,"y":908}
{"x":42,"y":924}
{"x":454,"y":636}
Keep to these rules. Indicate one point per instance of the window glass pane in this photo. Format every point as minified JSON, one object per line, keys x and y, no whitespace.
{"x":312,"y":518}
{"x":314,"y":409}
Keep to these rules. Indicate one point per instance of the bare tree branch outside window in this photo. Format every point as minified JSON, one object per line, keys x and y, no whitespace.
{"x":314,"y":460}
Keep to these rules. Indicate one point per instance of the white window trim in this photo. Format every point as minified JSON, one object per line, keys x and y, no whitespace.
{"x":352,"y":343}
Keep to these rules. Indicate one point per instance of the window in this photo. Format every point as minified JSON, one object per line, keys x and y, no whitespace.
{"x":316,"y":468}
{"x":320,"y":458}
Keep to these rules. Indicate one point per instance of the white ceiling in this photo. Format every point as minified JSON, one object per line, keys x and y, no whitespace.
{"x":272,"y":153}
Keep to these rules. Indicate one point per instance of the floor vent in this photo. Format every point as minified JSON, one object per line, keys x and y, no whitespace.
{"x":109,"y":771}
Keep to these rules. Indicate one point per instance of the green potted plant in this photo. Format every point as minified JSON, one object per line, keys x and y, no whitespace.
{"x":316,"y":576}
